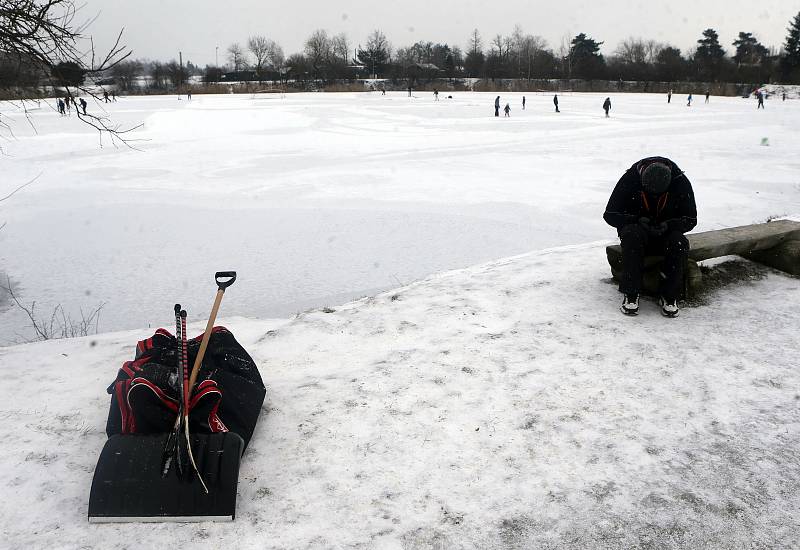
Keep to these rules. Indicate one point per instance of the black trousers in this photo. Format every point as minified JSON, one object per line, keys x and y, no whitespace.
{"x":637,"y":243}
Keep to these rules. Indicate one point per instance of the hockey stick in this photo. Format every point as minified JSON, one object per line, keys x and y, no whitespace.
{"x":185,"y":406}
{"x":172,"y":446}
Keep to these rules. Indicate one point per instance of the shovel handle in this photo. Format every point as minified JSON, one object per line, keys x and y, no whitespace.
{"x":222,"y":284}
{"x":219,"y":277}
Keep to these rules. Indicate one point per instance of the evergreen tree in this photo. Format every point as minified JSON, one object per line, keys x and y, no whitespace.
{"x":670,"y":64}
{"x":376,"y":54}
{"x":69,"y":73}
{"x":791,"y":59}
{"x":749,"y":50}
{"x":585,"y":57}
{"x":709,"y":56}
{"x":474,"y":62}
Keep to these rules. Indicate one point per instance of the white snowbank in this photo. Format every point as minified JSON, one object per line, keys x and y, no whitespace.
{"x":508,"y":405}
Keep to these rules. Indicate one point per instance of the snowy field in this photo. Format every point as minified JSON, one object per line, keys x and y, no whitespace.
{"x":481,"y":408}
{"x":506,"y":404}
{"x":319,"y":198}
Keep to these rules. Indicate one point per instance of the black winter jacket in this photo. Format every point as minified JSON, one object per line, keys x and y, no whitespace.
{"x":629,"y":201}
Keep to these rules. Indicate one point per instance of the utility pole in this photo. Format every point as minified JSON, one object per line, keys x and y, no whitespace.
{"x":216,"y":56}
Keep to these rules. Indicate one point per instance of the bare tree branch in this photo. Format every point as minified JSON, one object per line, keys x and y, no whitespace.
{"x":20,"y":187}
{"x":47,"y":35}
{"x":60,"y":324}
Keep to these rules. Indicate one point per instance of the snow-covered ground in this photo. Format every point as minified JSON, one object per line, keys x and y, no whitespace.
{"x":319,"y":198}
{"x":490,"y":407}
{"x":504,"y":405}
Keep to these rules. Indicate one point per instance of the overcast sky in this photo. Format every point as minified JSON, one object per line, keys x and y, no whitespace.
{"x":159,"y":29}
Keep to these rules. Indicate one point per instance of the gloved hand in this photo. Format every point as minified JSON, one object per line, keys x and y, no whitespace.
{"x":654,"y":229}
{"x":659,"y":229}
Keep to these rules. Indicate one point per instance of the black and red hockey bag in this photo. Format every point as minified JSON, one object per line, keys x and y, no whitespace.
{"x":227,"y":397}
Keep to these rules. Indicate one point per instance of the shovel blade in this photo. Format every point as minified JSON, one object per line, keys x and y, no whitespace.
{"x":128,"y":486}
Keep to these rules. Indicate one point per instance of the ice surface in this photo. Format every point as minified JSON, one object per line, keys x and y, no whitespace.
{"x":320,"y":198}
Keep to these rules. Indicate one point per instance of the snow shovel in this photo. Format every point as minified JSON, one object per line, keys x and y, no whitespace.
{"x":130,"y":484}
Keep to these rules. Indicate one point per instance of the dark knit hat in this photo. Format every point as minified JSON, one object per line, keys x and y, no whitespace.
{"x":656,"y":178}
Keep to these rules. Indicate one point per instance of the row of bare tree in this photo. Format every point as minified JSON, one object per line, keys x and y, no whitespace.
{"x":327,"y":56}
{"x":519,"y":55}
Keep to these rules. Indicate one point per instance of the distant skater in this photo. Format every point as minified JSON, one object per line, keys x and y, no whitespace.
{"x":105,"y":97}
{"x":669,"y":96}
{"x":784,"y":96}
{"x":409,"y":89}
{"x":62,"y":110}
{"x":607,"y":105}
{"x":497,"y":106}
{"x":67,"y":102}
{"x":708,"y":94}
{"x":189,"y":95}
{"x":689,"y":102}
{"x":435,"y":94}
{"x":760,"y":97}
{"x":523,"y":102}
{"x":113,"y":96}
{"x":83,"y":105}
{"x":555,"y":102}
{"x":383,"y":91}
{"x":507,"y":109}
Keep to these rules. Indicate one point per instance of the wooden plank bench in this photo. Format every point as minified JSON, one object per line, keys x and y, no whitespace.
{"x":776,"y":244}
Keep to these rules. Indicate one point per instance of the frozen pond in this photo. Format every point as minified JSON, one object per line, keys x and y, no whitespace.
{"x":318,"y":198}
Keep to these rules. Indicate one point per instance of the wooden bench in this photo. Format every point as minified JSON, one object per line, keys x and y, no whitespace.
{"x":776,"y":244}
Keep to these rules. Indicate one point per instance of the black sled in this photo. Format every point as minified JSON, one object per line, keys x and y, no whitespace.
{"x":144,"y":473}
{"x":128,"y":485}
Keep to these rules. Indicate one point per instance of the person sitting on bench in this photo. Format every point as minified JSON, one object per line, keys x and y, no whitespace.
{"x":652,"y":206}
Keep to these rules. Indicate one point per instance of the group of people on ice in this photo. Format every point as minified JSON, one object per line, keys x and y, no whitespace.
{"x":65,"y":105}
{"x":759,"y":95}
{"x":507,"y":108}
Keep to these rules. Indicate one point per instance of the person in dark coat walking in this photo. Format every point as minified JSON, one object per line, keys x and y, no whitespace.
{"x":523,"y":101}
{"x":607,"y":105}
{"x":83,"y":105}
{"x":555,"y":102}
{"x":760,"y":97}
{"x":497,"y":106}
{"x":669,"y":96}
{"x":61,"y":107}
{"x":652,"y":206}
{"x":708,"y":94}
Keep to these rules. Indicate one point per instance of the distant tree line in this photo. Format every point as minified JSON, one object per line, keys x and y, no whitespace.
{"x":327,"y":57}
